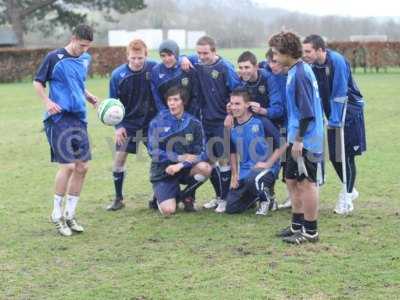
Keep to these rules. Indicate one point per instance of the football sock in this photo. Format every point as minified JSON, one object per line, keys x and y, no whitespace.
{"x":216,"y":181}
{"x":350,"y":171}
{"x":57,"y":207}
{"x":70,"y":206}
{"x":310,"y":227}
{"x":194,"y":183}
{"x":297,"y":221}
{"x":118,"y":182}
{"x":225,"y":180}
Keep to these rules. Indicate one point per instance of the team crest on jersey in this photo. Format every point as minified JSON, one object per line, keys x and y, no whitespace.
{"x":60,"y":56}
{"x":147,"y":75}
{"x":255,"y":128}
{"x":189,"y":137}
{"x":261,"y":89}
{"x":327,"y":71}
{"x":214,"y":74}
{"x":185,"y":81}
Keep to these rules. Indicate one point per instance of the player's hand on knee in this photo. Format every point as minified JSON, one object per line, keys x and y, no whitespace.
{"x":173,"y":169}
{"x":234,"y":183}
{"x":190,"y":157}
{"x":120,"y":136}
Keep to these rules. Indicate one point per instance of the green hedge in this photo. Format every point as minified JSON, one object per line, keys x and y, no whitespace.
{"x":366,"y":55}
{"x":18,"y":64}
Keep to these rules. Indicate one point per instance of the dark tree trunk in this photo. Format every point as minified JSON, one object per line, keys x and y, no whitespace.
{"x":16,"y":14}
{"x":18,"y":28}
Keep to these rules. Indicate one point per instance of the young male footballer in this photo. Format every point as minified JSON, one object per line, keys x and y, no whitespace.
{"x":65,"y":122}
{"x":130,"y":83}
{"x":178,"y":154}
{"x":304,"y":136}
{"x":344,"y":108}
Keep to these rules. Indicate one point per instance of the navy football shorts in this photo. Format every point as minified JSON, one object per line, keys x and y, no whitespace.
{"x":354,"y":135}
{"x":131,"y":144}
{"x":68,"y":139}
{"x":217,"y":140}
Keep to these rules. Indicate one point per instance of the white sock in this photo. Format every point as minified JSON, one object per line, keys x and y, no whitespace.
{"x":57,"y":207}
{"x":70,"y":206}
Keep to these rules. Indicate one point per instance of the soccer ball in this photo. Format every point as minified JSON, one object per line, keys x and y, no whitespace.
{"x":111,"y":111}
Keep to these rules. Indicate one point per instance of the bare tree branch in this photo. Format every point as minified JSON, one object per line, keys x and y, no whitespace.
{"x":35,"y":6}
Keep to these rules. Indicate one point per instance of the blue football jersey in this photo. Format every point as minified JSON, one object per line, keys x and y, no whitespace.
{"x":163,"y":78}
{"x":133,"y":89}
{"x":280,"y":81}
{"x":217,"y":81}
{"x":303,"y":102}
{"x":170,"y":137}
{"x":336,"y":85}
{"x":66,"y":75}
{"x":254,"y":141}
{"x":265,"y":91}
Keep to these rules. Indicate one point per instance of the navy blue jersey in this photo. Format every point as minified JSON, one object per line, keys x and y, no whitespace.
{"x":217,"y":81}
{"x":265,"y":91}
{"x":163,"y":78}
{"x":280,"y":81}
{"x":66,"y":75}
{"x":303,"y":102}
{"x":336,"y":85}
{"x":264,"y":65}
{"x":170,"y":137}
{"x":133,"y":89}
{"x":254,"y":141}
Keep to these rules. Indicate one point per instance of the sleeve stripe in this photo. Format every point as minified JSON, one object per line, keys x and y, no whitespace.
{"x":340,"y":99}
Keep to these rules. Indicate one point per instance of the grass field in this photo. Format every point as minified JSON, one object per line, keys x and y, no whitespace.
{"x":137,"y":254}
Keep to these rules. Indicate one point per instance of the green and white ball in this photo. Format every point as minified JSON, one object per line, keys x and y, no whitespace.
{"x":111,"y":111}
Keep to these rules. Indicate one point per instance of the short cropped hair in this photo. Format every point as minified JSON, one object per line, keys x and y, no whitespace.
{"x":316,"y":41}
{"x":177,"y":90}
{"x":287,"y":43}
{"x":136,"y":45}
{"x":83,"y":32}
{"x":248,"y":56}
{"x":207,"y":40}
{"x":241,"y":92}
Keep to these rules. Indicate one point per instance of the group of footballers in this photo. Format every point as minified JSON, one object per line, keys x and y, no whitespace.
{"x":200,"y":120}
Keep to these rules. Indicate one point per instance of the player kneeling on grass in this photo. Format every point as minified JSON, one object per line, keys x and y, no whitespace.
{"x":65,"y":122}
{"x":177,"y":148}
{"x":253,"y":141}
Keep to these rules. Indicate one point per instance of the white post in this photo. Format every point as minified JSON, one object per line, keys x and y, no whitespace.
{"x":342,"y":145}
